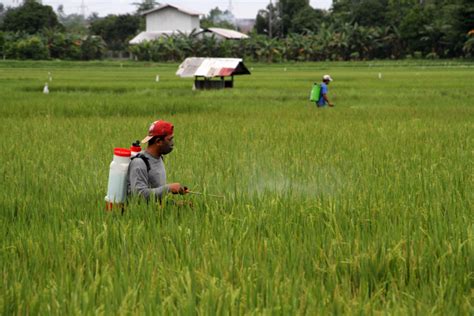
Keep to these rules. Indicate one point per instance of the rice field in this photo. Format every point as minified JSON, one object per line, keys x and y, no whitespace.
{"x":364,"y":208}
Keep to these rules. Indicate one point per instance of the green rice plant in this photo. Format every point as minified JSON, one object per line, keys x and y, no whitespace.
{"x":365,"y":208}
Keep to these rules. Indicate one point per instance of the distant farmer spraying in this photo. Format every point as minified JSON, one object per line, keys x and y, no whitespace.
{"x":146,"y":173}
{"x":323,"y":96}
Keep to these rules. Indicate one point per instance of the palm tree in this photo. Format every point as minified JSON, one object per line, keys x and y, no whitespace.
{"x":93,"y":47}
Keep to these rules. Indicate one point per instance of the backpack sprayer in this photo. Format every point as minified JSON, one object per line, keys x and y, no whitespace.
{"x":315,"y":92}
{"x":117,"y":187}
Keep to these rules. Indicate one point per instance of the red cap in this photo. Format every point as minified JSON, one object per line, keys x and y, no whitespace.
{"x":122,"y":152}
{"x":159,"y":128}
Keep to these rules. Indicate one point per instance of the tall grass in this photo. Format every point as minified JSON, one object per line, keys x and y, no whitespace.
{"x":360,"y":209}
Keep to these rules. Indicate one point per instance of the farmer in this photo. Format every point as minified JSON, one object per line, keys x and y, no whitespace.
{"x":146,"y":173}
{"x":323,"y":98}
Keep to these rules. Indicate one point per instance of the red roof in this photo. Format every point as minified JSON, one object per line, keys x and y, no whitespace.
{"x":226,"y":71}
{"x":211,"y":67}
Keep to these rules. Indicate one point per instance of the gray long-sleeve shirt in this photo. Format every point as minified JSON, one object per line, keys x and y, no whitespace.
{"x":144,"y":182}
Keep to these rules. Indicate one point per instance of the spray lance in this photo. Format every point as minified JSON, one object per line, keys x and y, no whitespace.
{"x":205,"y":194}
{"x":200,"y":193}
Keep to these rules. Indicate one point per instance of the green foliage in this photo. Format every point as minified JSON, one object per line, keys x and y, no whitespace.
{"x":93,"y":47}
{"x":262,"y":23}
{"x":145,"y":5}
{"x":410,"y":28}
{"x":2,"y":14}
{"x":328,"y":43}
{"x":306,"y":21}
{"x":218,"y":18}
{"x":64,"y":46}
{"x":457,"y":21}
{"x":74,"y":23}
{"x":9,"y":45}
{"x":31,"y":47}
{"x":2,"y":43}
{"x":364,"y":13}
{"x":31,"y":17}
{"x":288,"y":10}
{"x":352,"y":30}
{"x":468,"y":47}
{"x":434,"y":28}
{"x":116,"y":30}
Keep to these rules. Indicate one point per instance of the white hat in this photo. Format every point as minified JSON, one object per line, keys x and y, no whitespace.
{"x":327,"y":77}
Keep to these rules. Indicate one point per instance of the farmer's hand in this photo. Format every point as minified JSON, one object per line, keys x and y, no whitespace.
{"x":177,"y":188}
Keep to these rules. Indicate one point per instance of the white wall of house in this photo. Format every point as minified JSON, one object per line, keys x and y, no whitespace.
{"x":170,"y":19}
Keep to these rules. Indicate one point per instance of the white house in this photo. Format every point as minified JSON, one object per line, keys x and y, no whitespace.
{"x":168,"y":19}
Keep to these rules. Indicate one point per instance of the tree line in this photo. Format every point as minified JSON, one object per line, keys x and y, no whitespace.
{"x":377,"y":28}
{"x":288,"y":30}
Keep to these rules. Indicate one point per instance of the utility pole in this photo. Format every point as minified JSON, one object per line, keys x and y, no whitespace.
{"x":83,"y":9}
{"x":270,"y":9}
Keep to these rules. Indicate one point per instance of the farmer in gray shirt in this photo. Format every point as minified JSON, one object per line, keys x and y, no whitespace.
{"x":146,"y":173}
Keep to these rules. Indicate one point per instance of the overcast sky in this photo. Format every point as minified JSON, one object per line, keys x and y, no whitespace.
{"x":241,"y":8}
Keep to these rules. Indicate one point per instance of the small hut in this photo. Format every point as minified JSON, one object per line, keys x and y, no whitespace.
{"x":212,"y":73}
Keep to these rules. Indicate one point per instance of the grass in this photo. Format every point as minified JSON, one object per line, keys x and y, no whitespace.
{"x":365,"y":208}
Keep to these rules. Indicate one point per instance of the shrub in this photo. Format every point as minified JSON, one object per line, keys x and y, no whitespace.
{"x":73,"y":48}
{"x":31,"y":48}
{"x":141,"y":51}
{"x":355,"y":56}
{"x":2,"y":44}
{"x":93,"y":47}
{"x":432,"y":55}
{"x":417,"y":55}
{"x":468,"y":47}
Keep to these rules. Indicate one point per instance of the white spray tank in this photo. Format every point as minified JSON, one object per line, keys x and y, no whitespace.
{"x":117,"y":187}
{"x":135,"y":148}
